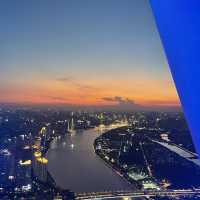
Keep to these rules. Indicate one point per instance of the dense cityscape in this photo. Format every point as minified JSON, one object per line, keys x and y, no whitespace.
{"x":152,"y":151}
{"x":88,"y":106}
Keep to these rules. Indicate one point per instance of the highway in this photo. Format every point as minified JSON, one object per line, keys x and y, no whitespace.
{"x":137,"y":194}
{"x":180,"y":151}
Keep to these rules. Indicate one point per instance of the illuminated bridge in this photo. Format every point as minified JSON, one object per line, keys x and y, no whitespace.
{"x":135,"y":194}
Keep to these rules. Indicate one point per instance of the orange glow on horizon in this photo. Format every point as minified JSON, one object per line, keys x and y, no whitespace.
{"x":142,"y":92}
{"x":97,"y":101}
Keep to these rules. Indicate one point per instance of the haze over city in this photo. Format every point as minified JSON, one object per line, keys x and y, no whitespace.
{"x":89,"y":53}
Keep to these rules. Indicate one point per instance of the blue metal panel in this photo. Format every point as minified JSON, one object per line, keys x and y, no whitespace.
{"x":178,"y":22}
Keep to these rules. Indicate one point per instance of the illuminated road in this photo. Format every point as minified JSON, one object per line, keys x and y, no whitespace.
{"x":146,"y":161}
{"x":180,"y":151}
{"x":137,"y":194}
{"x":74,"y":165}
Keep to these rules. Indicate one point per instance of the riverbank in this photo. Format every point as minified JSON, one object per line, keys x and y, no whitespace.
{"x":78,"y":167}
{"x":119,"y":172}
{"x":117,"y":169}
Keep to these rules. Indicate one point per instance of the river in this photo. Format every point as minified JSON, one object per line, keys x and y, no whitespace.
{"x":74,"y":165}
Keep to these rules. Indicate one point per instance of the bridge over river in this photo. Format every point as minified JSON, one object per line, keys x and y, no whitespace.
{"x":138,"y":194}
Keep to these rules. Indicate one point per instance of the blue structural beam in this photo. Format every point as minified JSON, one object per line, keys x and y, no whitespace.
{"x":178,"y":22}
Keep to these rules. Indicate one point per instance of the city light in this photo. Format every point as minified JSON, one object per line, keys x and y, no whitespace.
{"x":26,"y":162}
{"x":37,"y":154}
{"x":42,"y":160}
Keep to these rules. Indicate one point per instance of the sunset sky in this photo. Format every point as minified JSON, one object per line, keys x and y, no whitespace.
{"x":83,"y":52}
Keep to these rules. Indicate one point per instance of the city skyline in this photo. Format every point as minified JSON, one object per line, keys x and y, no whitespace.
{"x":86,"y":53}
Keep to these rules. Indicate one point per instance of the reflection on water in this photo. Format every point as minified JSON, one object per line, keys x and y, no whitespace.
{"x":74,"y":165}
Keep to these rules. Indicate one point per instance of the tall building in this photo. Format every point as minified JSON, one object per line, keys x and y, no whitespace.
{"x":40,"y":166}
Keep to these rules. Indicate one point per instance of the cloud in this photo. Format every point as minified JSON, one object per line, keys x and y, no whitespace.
{"x":122,"y":103}
{"x":57,"y":98}
{"x":77,"y":84}
{"x":65,"y":79}
{"x":85,"y":87}
{"x":108,"y":99}
{"x":119,"y":100}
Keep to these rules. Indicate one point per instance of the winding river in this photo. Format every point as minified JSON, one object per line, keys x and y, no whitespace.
{"x":74,"y":165}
